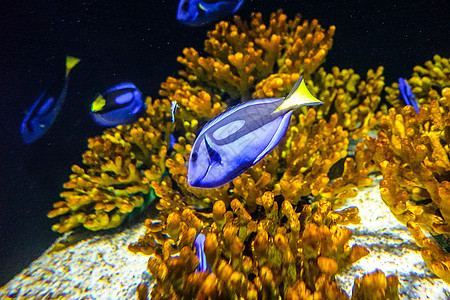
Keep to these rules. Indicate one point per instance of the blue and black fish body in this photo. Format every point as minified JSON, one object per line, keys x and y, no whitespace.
{"x":119,"y":105}
{"x":241,"y":136}
{"x":407,"y":94}
{"x":201,"y":12}
{"x":46,"y":108}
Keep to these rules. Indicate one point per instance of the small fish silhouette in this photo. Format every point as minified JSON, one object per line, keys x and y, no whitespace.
{"x":46,"y":108}
{"x":407,"y":94}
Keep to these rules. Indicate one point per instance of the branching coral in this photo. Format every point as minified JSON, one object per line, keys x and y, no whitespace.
{"x":426,"y":82}
{"x":264,"y":238}
{"x":376,"y":286}
{"x":437,"y":259}
{"x":355,"y":101}
{"x":241,"y":54}
{"x":113,"y":183}
{"x":126,"y":162}
{"x":412,"y":151}
{"x":273,"y":253}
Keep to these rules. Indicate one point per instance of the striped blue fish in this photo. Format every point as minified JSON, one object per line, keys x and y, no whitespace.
{"x":238,"y":138}
{"x":46,"y":108}
{"x":119,"y":105}
{"x":201,"y":12}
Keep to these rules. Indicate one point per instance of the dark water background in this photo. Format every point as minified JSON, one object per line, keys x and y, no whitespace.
{"x":139,"y":41}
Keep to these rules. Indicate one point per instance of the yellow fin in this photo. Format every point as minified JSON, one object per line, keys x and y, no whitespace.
{"x":70,"y":63}
{"x":98,"y":104}
{"x":298,"y":97}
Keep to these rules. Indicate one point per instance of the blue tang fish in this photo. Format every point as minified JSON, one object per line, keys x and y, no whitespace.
{"x":407,"y":94}
{"x":200,"y":12}
{"x":46,"y":108}
{"x":173,"y":109}
{"x":238,"y":138}
{"x":199,"y":243}
{"x":122,"y":104}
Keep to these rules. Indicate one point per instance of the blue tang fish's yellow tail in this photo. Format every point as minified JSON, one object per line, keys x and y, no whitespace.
{"x":298,"y":97}
{"x":70,"y":63}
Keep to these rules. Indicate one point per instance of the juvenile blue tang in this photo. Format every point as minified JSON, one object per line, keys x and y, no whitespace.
{"x":173,"y":109}
{"x":199,"y":243}
{"x":407,"y":94}
{"x":238,"y":138}
{"x":122,"y":104}
{"x":46,"y":108}
{"x":201,"y":12}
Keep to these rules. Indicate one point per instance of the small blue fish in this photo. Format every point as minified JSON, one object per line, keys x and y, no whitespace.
{"x":199,"y":243}
{"x":407,"y":94}
{"x":201,"y":12}
{"x":238,"y":138}
{"x":122,"y":104}
{"x":173,"y":109}
{"x":46,"y":108}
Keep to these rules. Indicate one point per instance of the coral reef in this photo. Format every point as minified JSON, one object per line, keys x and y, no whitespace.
{"x":426,"y":82}
{"x":376,"y":286}
{"x":121,"y":165}
{"x":242,"y":54}
{"x":354,"y":100}
{"x":412,"y":151}
{"x":413,"y":155}
{"x":271,"y":232}
{"x":276,"y":252}
{"x":114,"y":181}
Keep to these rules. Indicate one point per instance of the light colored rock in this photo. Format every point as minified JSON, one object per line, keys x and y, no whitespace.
{"x":392,"y":250}
{"x":98,"y":268}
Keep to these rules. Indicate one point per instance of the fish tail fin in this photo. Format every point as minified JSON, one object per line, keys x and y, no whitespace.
{"x":298,"y":97}
{"x":70,"y":63}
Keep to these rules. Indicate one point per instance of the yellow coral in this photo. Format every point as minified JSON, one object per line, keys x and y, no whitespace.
{"x":243,"y":54}
{"x":375,"y":286}
{"x":434,"y":256}
{"x":414,"y":161}
{"x":426,"y":82}
{"x":413,"y":155}
{"x":113,"y":184}
{"x":250,"y":257}
{"x":355,"y":101}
